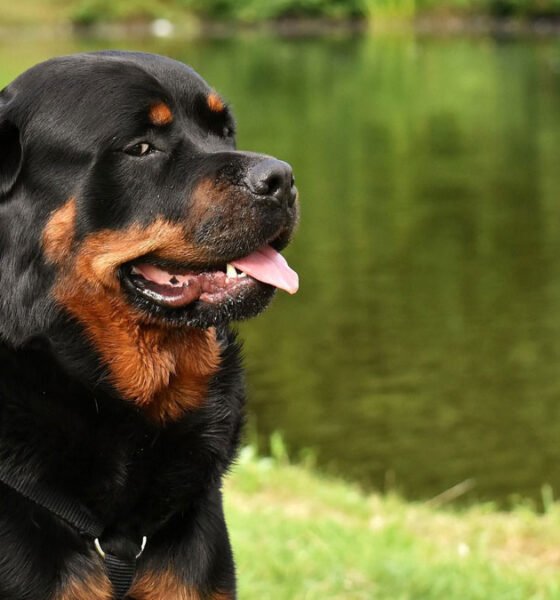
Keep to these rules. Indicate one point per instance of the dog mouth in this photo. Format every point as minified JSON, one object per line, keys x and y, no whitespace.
{"x":175,"y":286}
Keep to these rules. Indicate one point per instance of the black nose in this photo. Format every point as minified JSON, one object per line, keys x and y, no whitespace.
{"x":272,"y":178}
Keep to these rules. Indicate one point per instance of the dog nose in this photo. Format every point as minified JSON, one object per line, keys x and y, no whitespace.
{"x":272,"y":178}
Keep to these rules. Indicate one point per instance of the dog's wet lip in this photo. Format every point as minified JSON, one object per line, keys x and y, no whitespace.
{"x":281,"y":239}
{"x":211,"y":287}
{"x":177,"y":285}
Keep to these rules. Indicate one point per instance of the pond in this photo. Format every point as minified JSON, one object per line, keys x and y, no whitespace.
{"x":423,"y":349}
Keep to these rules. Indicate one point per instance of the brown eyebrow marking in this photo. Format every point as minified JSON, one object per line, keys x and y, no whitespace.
{"x":215,"y":103}
{"x":160,"y":114}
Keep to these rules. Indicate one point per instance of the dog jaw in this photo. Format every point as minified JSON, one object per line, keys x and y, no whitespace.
{"x":164,"y":370}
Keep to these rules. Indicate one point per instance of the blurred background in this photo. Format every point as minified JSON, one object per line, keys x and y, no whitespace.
{"x":418,"y":366}
{"x":423,"y":348}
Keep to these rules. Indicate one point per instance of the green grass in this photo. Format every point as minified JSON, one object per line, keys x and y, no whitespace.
{"x":300,"y":536}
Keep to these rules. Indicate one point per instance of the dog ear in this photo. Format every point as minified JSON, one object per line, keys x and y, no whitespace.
{"x":11,"y":154}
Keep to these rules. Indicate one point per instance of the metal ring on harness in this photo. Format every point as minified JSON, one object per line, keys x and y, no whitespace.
{"x":101,"y":552}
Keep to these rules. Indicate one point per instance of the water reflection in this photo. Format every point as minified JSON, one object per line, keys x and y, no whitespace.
{"x":423,"y":348}
{"x":423,"y":344}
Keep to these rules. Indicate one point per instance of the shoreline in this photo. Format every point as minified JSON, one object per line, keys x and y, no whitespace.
{"x":289,"y":28}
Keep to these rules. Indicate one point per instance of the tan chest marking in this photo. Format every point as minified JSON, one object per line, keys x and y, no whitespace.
{"x":166,"y":586}
{"x":95,"y":586}
{"x":161,"y":586}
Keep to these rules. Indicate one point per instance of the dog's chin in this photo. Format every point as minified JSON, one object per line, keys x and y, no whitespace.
{"x":220,"y":301}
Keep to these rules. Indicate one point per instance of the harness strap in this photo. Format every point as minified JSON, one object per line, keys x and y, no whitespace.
{"x":120,"y":571}
{"x":70,"y":511}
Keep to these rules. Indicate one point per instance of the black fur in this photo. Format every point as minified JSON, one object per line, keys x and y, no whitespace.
{"x":66,"y":129}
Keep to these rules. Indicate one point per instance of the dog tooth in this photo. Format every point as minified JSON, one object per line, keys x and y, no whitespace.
{"x":230,"y":271}
{"x":242,"y":274}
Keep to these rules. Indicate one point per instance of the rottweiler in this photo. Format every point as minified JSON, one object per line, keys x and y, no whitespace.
{"x":132,"y":232}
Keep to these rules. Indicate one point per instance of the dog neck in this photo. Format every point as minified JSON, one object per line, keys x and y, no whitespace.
{"x":93,"y":445}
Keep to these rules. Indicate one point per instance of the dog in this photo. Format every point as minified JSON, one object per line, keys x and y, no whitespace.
{"x":132,"y":232}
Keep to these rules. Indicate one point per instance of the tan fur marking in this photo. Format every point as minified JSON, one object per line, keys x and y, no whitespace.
{"x":160,"y":114}
{"x":161,"y":586}
{"x":104,"y":251}
{"x":58,"y":234}
{"x":163,"y":369}
{"x":215,"y":103}
{"x":95,"y":586}
{"x":210,"y":198}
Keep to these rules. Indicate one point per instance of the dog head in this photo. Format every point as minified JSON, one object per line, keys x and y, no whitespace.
{"x":123,"y":200}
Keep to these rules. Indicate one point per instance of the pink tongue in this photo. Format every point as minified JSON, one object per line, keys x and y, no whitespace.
{"x":271,"y":267}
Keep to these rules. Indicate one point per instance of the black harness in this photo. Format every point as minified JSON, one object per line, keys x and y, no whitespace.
{"x":120,"y":570}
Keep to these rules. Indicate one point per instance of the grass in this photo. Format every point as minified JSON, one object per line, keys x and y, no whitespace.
{"x":300,"y":536}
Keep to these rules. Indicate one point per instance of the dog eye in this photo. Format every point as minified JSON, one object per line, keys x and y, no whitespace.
{"x":228,"y":132}
{"x":141,"y":149}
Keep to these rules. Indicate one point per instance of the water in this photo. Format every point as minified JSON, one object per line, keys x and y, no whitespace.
{"x":424,"y":347}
